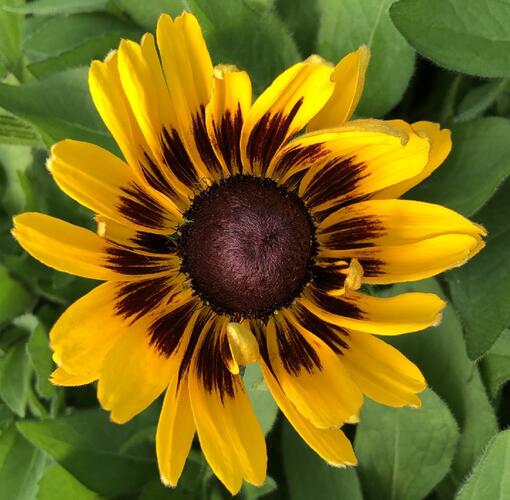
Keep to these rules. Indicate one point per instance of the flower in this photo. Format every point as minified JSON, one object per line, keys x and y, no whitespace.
{"x":236,"y":233}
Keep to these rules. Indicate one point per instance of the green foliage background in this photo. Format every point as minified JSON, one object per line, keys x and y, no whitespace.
{"x":443,"y":60}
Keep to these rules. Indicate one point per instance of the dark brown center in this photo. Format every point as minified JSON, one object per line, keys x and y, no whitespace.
{"x":248,"y":246}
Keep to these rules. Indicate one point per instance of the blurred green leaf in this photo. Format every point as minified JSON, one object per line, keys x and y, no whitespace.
{"x":21,"y":466}
{"x":52,"y":7}
{"x":262,"y":401}
{"x":57,"y":483}
{"x":146,"y":13}
{"x":90,"y":447}
{"x":478,"y":164}
{"x":250,"y":492}
{"x":308,"y":476}
{"x":491,"y":478}
{"x":469,"y":37}
{"x":11,"y":31}
{"x":40,"y":357}
{"x":59,"y":107}
{"x":480,"y":99}
{"x":14,"y":299}
{"x":15,"y":162}
{"x":17,"y":132}
{"x":302,"y":18}
{"x":346,"y":25}
{"x":253,"y":39}
{"x":15,"y":371}
{"x":481,"y":287}
{"x":403,"y":452}
{"x":440,"y":352}
{"x":495,"y":365}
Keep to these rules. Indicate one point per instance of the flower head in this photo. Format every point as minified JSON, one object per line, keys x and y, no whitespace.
{"x":236,"y":232}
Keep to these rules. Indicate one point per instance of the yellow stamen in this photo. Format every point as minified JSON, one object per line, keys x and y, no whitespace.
{"x":243,"y":346}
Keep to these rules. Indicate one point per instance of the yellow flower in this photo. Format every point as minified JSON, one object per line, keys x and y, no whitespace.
{"x":236,"y":233}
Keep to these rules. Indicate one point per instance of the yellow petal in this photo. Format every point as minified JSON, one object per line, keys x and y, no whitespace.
{"x":243,"y":345}
{"x":105,"y":184}
{"x":175,"y":432}
{"x":440,"y":147}
{"x":381,"y":372}
{"x":408,"y":312}
{"x":133,"y":374}
{"x":65,"y":379}
{"x":282,"y":110}
{"x":86,"y":331}
{"x":311,"y":374}
{"x":329,"y":444}
{"x":349,"y":79}
{"x":391,"y":222}
{"x":225,"y":114}
{"x":189,"y":75}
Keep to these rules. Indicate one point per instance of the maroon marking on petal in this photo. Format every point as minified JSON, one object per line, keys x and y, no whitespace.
{"x":355,"y":232}
{"x":155,"y":178}
{"x":295,"y":352}
{"x":372,"y":267}
{"x":167,"y":331}
{"x":130,"y":262}
{"x":335,"y":305}
{"x":203,"y":143}
{"x":228,"y":136}
{"x":269,"y":134}
{"x":305,"y":156}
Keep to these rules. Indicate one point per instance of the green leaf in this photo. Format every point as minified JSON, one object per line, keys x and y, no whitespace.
{"x":15,"y":371}
{"x":16,"y":132}
{"x":52,"y":7}
{"x":41,"y":360}
{"x":15,"y":161}
{"x":490,"y":479}
{"x":479,"y":287}
{"x":347,"y":24}
{"x":14,"y":299}
{"x":253,"y":39}
{"x":480,"y":99}
{"x":65,"y":42}
{"x":59,"y":107}
{"x":21,"y":466}
{"x":478,"y":164}
{"x":495,"y":365}
{"x":250,"y":492}
{"x":440,"y":352}
{"x":146,"y":13}
{"x":403,"y":452}
{"x":58,"y":483}
{"x":93,"y":450}
{"x":262,"y":401}
{"x":469,"y":37}
{"x":302,"y":19}
{"x":308,"y":476}
{"x":11,"y":31}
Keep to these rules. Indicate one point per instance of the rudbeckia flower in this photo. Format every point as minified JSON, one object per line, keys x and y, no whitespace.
{"x":235,"y":232}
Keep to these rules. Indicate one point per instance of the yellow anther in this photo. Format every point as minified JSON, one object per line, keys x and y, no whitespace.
{"x":243,"y":345}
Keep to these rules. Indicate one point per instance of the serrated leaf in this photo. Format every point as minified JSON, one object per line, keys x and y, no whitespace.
{"x":90,"y":447}
{"x":308,"y":476}
{"x":346,"y":25}
{"x":21,"y":466}
{"x":491,"y":476}
{"x":478,"y":164}
{"x":58,"y":483}
{"x":267,"y":47}
{"x":403,"y":452}
{"x":263,"y":404}
{"x":59,"y":107}
{"x":479,"y":288}
{"x":469,"y":37}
